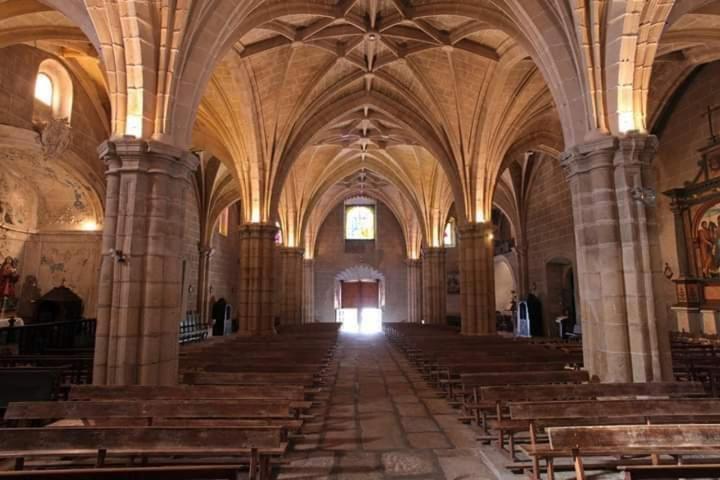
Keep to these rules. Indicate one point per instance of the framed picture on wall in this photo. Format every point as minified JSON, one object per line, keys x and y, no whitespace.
{"x":453,"y":283}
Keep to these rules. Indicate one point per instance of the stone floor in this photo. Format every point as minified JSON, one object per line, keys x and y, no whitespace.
{"x":382,"y":421}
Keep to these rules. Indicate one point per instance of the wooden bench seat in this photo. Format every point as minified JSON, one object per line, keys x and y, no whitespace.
{"x":249,"y":378}
{"x":257,"y":444}
{"x":150,"y":410}
{"x":671,"y":472}
{"x":181,"y":472}
{"x":180,"y":392}
{"x":504,"y":395}
{"x":618,"y":440}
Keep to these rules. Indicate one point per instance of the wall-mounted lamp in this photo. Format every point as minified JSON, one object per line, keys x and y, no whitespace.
{"x":646,"y":195}
{"x":118,"y":255}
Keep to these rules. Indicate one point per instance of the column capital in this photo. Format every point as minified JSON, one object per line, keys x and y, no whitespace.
{"x":205,"y":250}
{"x":428,"y":252}
{"x":257,"y":230}
{"x":609,"y":151}
{"x":413,"y":262}
{"x":290,"y":251}
{"x":131,"y":154}
{"x":474,"y":229}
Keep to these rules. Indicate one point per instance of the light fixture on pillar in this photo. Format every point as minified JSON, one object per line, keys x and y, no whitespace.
{"x":118,"y":255}
{"x":648,"y":196}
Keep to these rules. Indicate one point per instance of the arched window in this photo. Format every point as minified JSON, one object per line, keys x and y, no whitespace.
{"x":44,"y":89}
{"x":223,"y":222}
{"x":360,"y":222}
{"x":53,"y":89}
{"x":450,"y":234}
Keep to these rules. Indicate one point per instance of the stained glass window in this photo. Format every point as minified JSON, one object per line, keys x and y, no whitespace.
{"x":360,"y":222}
{"x":449,"y":235}
{"x":44,"y":89}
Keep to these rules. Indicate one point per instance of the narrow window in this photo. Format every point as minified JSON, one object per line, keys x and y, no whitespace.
{"x":223,"y":223}
{"x":449,"y":237}
{"x":44,"y":89}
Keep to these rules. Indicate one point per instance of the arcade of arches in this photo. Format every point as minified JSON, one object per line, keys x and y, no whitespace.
{"x":159,"y":156}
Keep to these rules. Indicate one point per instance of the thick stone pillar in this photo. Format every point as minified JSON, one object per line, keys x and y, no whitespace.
{"x":140,"y":289}
{"x":308,"y":290}
{"x":414,"y":281}
{"x":291,"y":290}
{"x":612,"y":186}
{"x":255,"y":278}
{"x":434,"y":286}
{"x":477,"y":279}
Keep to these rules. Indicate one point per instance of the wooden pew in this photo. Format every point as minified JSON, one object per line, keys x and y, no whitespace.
{"x":258,"y":444}
{"x":20,"y":384}
{"x":249,"y":378}
{"x":473,"y":407}
{"x":187,"y":392}
{"x":504,"y":395}
{"x":172,"y":472}
{"x":541,"y":416}
{"x":651,"y":440}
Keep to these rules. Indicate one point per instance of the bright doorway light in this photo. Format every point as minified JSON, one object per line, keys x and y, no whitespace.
{"x":370,"y":320}
{"x":44,"y":89}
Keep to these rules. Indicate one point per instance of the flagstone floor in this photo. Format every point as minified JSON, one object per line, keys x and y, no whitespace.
{"x":382,"y":421}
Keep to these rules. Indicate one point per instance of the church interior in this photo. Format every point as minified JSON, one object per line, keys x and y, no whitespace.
{"x":359,"y":239}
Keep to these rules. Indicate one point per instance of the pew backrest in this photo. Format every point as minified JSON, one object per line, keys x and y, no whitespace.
{"x":590,"y":390}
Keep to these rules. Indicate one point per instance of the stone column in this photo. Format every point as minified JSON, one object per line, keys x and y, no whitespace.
{"x":291,"y":290}
{"x":477,"y":279}
{"x":414,"y":281}
{"x":140,"y":287}
{"x":255,"y":278}
{"x":204,"y":254}
{"x":434,"y":286}
{"x":624,"y":338}
{"x":308,"y":290}
{"x":523,"y":287}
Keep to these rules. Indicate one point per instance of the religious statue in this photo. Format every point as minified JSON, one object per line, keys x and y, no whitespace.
{"x":8,"y":279}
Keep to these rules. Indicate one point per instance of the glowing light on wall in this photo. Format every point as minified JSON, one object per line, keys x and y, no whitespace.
{"x":626,"y":122}
{"x":89,"y":226}
{"x":480,"y":217}
{"x":134,"y":126}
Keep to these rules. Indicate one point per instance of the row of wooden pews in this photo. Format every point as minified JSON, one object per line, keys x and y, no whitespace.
{"x":696,"y":357}
{"x":534,"y":401}
{"x":240,"y":423}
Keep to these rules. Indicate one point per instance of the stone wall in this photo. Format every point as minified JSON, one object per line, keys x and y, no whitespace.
{"x":550,"y":236}
{"x":17,"y":101}
{"x":224,"y":262}
{"x":388,"y":257}
{"x":69,"y":258}
{"x":452,"y":267}
{"x":684,"y":132}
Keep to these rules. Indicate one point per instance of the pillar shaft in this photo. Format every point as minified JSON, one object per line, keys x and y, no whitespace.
{"x":618,"y":258}
{"x":140,"y":289}
{"x":434,"y":281}
{"x":291,"y":290}
{"x":255,"y":278}
{"x":414,"y":281}
{"x":308,"y":290}
{"x":203,"y":297}
{"x":477,"y":279}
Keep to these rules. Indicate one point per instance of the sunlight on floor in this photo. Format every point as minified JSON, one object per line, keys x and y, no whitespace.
{"x":370,"y":320}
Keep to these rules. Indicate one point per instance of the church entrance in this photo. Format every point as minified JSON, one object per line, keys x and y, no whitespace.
{"x":360,"y":311}
{"x":359,"y":299}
